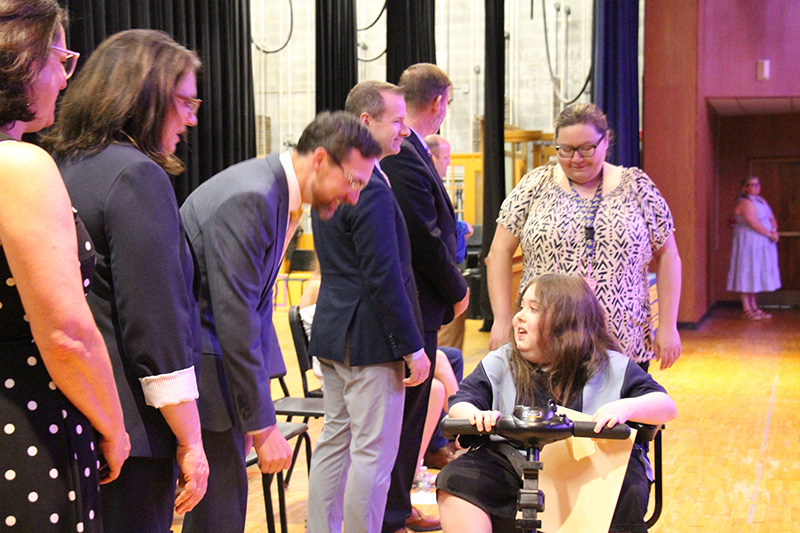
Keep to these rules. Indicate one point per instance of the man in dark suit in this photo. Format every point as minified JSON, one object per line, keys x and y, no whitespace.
{"x":367,"y":322}
{"x":239,"y":223}
{"x":443,"y":291}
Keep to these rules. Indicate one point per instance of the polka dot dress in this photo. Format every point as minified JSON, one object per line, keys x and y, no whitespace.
{"x":48,"y":461}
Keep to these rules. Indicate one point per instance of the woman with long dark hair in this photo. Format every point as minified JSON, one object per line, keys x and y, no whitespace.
{"x":114,"y":142}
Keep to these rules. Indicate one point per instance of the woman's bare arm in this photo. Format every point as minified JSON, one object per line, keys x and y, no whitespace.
{"x":498,"y":278}
{"x":37,"y":232}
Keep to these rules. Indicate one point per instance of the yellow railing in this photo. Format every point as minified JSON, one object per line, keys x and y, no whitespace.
{"x":464,"y":183}
{"x":525,"y":150}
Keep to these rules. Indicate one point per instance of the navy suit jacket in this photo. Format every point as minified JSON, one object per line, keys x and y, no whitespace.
{"x":367,"y":296}
{"x":237,"y":223}
{"x":432,"y":229}
{"x":144,"y":289}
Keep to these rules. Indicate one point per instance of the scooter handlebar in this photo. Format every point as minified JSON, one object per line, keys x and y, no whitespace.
{"x":513,"y":428}
{"x":586,"y":430}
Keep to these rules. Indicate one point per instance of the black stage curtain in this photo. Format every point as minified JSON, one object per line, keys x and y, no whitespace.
{"x":494,"y":181}
{"x":615,"y":83}
{"x":219,"y":31}
{"x":410,"y":37}
{"x":337,"y":57}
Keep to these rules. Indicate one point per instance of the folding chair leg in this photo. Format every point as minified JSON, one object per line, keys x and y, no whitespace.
{"x":266,"y":484}
{"x":282,"y":504}
{"x":295,"y":453}
{"x":308,"y":452}
{"x":659,"y":482}
{"x":300,"y":440}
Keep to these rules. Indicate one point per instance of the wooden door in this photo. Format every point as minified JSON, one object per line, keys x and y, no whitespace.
{"x":780,"y":187}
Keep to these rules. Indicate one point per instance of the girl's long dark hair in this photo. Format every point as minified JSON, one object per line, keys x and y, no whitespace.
{"x":573,"y":337}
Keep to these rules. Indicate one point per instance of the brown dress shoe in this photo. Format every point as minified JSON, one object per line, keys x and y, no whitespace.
{"x":440,"y":457}
{"x":419,"y":521}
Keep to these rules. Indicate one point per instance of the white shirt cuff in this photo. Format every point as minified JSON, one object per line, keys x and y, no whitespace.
{"x":414,"y":356}
{"x":169,"y":389}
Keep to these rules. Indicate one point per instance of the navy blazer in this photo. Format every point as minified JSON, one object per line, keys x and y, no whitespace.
{"x":144,"y":289}
{"x":431,"y":228}
{"x":236,"y":222}
{"x":367,"y":296}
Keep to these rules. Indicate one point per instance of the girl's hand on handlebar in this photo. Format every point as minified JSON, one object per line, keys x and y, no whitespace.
{"x":484,"y":420}
{"x":610,"y":415}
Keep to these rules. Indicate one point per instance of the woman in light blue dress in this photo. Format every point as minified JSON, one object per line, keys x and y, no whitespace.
{"x":754,"y":253}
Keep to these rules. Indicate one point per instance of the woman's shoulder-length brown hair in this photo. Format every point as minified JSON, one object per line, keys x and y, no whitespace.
{"x":27,"y":30}
{"x":573,"y":337}
{"x":123,"y":94}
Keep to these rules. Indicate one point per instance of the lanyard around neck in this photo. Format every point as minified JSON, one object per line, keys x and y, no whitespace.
{"x":588,"y":208}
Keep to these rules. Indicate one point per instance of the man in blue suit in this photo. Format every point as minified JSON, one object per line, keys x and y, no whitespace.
{"x":366,"y":324}
{"x":443,"y":291}
{"x":239,"y":222}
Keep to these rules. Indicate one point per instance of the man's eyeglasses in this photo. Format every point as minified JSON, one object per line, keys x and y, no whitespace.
{"x":70,"y":61}
{"x":588,"y":150}
{"x":192,"y":104}
{"x":355,"y":185}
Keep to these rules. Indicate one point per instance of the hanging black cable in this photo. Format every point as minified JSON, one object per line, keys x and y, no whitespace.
{"x":374,"y":58}
{"x":375,"y":21}
{"x":556,"y":89}
{"x":289,"y":38}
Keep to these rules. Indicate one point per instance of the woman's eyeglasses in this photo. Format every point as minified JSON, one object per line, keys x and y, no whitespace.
{"x":69,"y":62}
{"x":588,"y":150}
{"x":192,"y":104}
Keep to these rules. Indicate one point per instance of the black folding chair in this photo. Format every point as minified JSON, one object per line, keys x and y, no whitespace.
{"x":291,"y":406}
{"x":301,"y":349}
{"x":289,"y":430}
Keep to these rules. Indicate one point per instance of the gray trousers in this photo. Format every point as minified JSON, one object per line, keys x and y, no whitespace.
{"x":354,"y":455}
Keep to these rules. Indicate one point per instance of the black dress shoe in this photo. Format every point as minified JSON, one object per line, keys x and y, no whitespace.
{"x":419,"y":521}
{"x":440,"y":457}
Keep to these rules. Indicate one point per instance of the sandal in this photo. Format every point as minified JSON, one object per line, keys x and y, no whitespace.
{"x":763,"y":315}
{"x":752,"y":314}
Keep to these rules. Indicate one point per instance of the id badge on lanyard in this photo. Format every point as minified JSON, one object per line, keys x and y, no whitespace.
{"x":589,"y":211}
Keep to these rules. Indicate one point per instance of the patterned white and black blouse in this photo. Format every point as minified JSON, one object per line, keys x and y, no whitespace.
{"x":632,"y":222}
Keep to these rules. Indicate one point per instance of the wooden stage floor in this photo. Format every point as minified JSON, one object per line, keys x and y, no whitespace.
{"x":731,"y":458}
